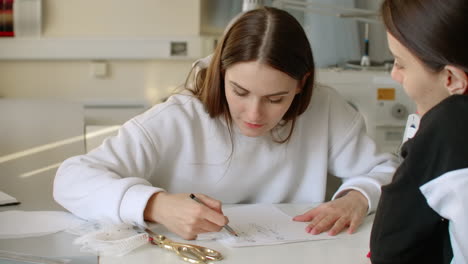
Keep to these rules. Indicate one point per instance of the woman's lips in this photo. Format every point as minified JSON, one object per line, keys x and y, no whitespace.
{"x":250,"y":125}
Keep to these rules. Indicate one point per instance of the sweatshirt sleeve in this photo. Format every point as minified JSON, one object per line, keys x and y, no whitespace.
{"x":447,"y":196}
{"x":354,"y":156}
{"x":110,"y":183}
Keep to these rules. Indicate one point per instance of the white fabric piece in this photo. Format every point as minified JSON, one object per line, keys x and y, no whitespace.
{"x":113,"y":240}
{"x":448,"y":196}
{"x":85,"y":228}
{"x":20,"y":224}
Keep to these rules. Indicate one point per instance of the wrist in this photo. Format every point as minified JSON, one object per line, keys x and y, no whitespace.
{"x":151,"y":212}
{"x":360,"y":197}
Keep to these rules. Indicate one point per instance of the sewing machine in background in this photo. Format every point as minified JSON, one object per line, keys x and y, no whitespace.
{"x":382,"y":102}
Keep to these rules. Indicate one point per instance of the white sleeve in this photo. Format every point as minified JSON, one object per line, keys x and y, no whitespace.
{"x":447,"y":195}
{"x":354,"y":156}
{"x":110,"y":183}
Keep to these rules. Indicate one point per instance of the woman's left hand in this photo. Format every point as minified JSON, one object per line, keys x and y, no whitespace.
{"x":334,"y":216}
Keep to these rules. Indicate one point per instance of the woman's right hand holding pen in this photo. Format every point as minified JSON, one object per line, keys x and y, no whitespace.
{"x":183,"y":216}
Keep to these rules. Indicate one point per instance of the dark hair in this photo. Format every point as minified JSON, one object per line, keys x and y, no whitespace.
{"x":271,"y":36}
{"x":433,"y":30}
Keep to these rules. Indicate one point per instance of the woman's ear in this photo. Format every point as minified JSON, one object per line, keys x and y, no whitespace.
{"x":456,"y":80}
{"x":302,"y":83}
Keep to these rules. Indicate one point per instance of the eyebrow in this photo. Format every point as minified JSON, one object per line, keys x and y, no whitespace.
{"x":268,"y":95}
{"x":393,"y":54}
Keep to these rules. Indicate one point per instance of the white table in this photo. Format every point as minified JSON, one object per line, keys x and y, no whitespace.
{"x":35,"y":134}
{"x":351,"y":249}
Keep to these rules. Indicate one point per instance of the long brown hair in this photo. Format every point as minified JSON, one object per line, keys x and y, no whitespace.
{"x":433,"y":30}
{"x":268,"y":35}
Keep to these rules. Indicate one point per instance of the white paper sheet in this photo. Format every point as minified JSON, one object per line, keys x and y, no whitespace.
{"x":6,"y":199}
{"x":19,"y":224}
{"x":265,"y":224}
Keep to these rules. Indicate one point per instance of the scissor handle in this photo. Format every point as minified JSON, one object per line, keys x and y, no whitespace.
{"x":188,"y":252}
{"x":194,"y":253}
{"x":202,"y":252}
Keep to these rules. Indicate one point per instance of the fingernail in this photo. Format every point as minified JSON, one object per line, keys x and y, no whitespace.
{"x":308,"y":229}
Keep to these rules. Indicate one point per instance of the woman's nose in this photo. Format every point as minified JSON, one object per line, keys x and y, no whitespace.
{"x":396,"y":75}
{"x":254,"y":110}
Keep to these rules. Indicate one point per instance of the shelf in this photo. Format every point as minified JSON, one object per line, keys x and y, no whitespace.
{"x":106,"y":48}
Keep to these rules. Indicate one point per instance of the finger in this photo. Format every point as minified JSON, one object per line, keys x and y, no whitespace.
{"x":203,"y":212}
{"x":307,"y":216}
{"x":188,"y":233}
{"x":207,"y":226}
{"x":314,"y":222}
{"x":189,"y":236}
{"x":339,"y":225}
{"x":355,"y":223}
{"x":210,"y":202}
{"x":323,"y":225}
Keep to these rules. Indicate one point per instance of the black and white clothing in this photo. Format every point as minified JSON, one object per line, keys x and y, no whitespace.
{"x":416,"y":210}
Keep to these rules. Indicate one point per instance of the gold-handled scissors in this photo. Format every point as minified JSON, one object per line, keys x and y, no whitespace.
{"x":188,"y":252}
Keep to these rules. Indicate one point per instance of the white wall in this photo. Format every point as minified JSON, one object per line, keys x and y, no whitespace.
{"x":72,"y":80}
{"x":121,"y":17}
{"x":145,"y":80}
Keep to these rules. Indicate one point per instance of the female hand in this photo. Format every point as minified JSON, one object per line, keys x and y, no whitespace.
{"x":184,"y":216}
{"x":334,"y":216}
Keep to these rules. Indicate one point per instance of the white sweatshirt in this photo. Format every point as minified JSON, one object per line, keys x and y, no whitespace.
{"x":175,"y":146}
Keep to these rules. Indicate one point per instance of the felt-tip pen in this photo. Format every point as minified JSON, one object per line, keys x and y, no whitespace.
{"x":228,"y":228}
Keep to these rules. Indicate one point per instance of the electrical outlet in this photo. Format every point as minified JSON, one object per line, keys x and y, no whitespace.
{"x":179,"y":48}
{"x":99,"y":69}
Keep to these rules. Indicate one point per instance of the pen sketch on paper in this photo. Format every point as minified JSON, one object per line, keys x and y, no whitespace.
{"x":254,"y":232}
{"x":260,"y":224}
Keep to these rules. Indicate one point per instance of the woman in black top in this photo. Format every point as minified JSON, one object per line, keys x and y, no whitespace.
{"x":428,"y":39}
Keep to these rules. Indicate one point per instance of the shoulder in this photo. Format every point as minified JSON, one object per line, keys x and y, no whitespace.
{"x":446,"y":123}
{"x":180,"y":116}
{"x":176,"y":107}
{"x":451,"y":110}
{"x":330,"y":115}
{"x":441,"y":143}
{"x":328,"y":104}
{"x":326,"y":96}
{"x":322,"y":90}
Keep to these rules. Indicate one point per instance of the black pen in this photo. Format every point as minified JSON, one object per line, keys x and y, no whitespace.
{"x":228,"y":228}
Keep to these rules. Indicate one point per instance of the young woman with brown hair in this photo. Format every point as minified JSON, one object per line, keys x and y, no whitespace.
{"x":252,"y":128}
{"x":422,"y":216}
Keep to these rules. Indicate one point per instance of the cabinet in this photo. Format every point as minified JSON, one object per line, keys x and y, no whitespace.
{"x":180,"y":47}
{"x":115,"y":29}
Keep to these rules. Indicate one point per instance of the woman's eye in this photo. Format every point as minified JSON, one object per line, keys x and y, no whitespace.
{"x":276,"y":100}
{"x":238,"y":93}
{"x":397,"y":65}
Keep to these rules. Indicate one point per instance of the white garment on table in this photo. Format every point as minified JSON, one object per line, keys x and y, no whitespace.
{"x":175,"y":146}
